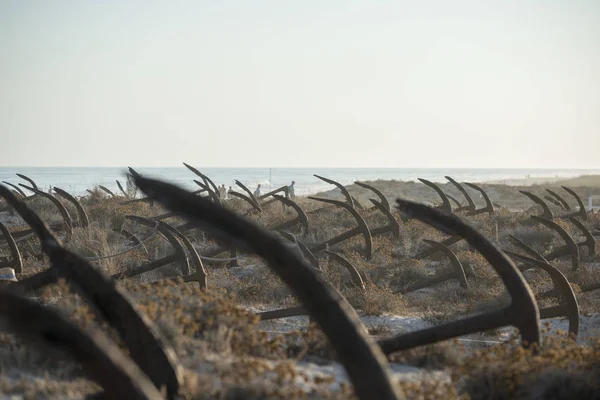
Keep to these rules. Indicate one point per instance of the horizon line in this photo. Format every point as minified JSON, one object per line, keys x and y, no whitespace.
{"x":294,"y":167}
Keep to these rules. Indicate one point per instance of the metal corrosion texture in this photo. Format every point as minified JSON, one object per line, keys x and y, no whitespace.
{"x":392,"y":226}
{"x":489,"y":206}
{"x":546,"y":211}
{"x":364,"y":362}
{"x":362,"y":228}
{"x":16,"y":261}
{"x":301,"y":217}
{"x":445,"y":206}
{"x":568,"y":302}
{"x":470,"y":204}
{"x":559,"y":198}
{"x":357,"y":278}
{"x":581,"y":211}
{"x":384,"y":201}
{"x":458,"y":271}
{"x":345,"y":192}
{"x":68,"y":222}
{"x":571,"y":246}
{"x":100,"y":358}
{"x":82,"y":217}
{"x":138,"y":332}
{"x":522,"y":313}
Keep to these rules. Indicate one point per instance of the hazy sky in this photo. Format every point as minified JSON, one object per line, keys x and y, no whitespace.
{"x":300,"y":83}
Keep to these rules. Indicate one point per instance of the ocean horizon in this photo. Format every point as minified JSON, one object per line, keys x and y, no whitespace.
{"x":77,"y":179}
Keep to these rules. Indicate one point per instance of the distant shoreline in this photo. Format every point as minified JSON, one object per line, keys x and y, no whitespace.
{"x":77,"y":181}
{"x":544,"y":180}
{"x":581,"y":180}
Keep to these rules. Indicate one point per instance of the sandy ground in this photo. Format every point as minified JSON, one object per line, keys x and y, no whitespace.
{"x":399,"y":324}
{"x":396,"y":324}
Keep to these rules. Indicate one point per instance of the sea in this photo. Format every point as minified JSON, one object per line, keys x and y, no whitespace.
{"x":76,"y":180}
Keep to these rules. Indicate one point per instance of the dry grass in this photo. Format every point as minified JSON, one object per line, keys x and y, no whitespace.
{"x":226,"y":355}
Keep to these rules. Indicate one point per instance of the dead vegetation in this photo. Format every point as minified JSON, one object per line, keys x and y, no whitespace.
{"x":227,"y":355}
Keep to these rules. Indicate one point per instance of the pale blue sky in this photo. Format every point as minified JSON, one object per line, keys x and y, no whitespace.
{"x":299,"y":84}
